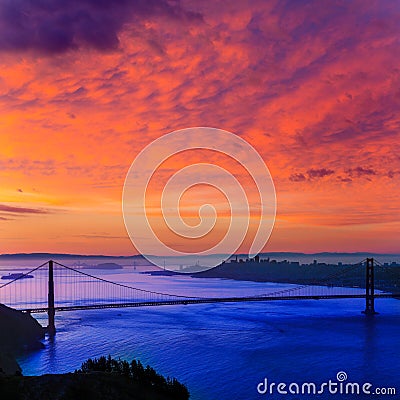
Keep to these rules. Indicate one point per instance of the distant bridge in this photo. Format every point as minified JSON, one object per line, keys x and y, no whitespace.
{"x":78,"y":290}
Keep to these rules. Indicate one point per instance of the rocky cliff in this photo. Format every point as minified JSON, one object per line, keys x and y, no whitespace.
{"x":18,"y":331}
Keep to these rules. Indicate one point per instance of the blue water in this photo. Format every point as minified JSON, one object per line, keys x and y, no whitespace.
{"x":222,"y":351}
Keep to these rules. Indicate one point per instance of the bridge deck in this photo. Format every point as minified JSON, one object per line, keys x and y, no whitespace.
{"x":206,"y":301}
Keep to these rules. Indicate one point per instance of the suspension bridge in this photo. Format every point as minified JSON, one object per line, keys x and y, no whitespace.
{"x":56,"y":287}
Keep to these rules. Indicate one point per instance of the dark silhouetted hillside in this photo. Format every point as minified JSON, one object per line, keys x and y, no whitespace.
{"x":18,"y":331}
{"x":98,"y":379}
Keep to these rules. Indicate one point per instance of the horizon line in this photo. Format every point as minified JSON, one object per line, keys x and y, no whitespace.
{"x":194,"y":255}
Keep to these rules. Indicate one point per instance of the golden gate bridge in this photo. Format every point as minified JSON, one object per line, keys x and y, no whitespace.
{"x":59,"y":287}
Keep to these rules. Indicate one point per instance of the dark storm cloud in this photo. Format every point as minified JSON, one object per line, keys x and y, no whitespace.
{"x":56,"y":26}
{"x":21,"y":210}
{"x":311,"y":174}
{"x":99,"y":236}
{"x":342,"y":179}
{"x":350,"y":174}
{"x":392,"y":174}
{"x":44,"y":167}
{"x":319,"y":173}
{"x":361,"y":171}
{"x":297,"y":177}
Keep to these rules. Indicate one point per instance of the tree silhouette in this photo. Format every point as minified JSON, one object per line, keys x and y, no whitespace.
{"x":135,"y":371}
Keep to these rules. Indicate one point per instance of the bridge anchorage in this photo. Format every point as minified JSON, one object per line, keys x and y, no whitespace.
{"x":58,"y":287}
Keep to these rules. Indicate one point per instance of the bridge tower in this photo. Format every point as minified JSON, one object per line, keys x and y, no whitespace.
{"x":51,"y":328}
{"x":369,"y":288}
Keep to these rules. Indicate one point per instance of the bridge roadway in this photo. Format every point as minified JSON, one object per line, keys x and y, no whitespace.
{"x":205,"y":301}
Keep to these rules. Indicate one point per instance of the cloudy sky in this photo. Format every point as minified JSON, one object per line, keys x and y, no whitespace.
{"x":314,"y":86}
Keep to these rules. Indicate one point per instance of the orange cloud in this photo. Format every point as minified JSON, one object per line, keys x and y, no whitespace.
{"x":314,"y":88}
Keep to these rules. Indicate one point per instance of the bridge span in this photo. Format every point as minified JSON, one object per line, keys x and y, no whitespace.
{"x":78,"y":290}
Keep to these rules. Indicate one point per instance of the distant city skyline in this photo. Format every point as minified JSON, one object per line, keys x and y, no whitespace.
{"x":312,"y":86}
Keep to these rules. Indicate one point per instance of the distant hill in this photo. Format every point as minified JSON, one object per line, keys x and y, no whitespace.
{"x":139,"y":256}
{"x":108,"y":265}
{"x":63,"y":255}
{"x":76,"y":259}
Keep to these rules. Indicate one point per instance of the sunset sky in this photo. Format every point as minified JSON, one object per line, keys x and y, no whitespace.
{"x":313,"y":86}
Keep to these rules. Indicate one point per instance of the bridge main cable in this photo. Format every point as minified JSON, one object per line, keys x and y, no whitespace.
{"x":23,"y":275}
{"x":126,"y":286}
{"x":314,"y":283}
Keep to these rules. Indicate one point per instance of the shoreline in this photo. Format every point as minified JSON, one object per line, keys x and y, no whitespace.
{"x":318,"y":274}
